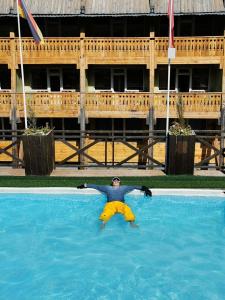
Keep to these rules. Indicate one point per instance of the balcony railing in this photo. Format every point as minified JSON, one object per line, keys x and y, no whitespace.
{"x":68,"y":49}
{"x":5,"y":49}
{"x":117,"y":46}
{"x":42,"y":104}
{"x":202,"y":105}
{"x":191,"y":46}
{"x":57,"y":47}
{"x":53,"y":105}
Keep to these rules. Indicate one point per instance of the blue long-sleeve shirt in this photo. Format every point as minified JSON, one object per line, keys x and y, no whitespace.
{"x":114,"y":193}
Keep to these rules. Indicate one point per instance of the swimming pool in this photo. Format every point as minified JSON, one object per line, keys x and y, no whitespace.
{"x":51,"y":248}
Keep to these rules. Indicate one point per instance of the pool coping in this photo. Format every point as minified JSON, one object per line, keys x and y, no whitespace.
{"x":74,"y":191}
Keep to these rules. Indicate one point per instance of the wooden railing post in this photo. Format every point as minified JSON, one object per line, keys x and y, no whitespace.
{"x":150,"y":122}
{"x":13,"y":110}
{"x":152,"y":63}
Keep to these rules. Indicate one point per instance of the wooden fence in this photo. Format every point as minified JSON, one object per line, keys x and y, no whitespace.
{"x":136,"y":149}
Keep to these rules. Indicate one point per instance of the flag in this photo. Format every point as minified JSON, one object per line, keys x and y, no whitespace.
{"x":35,"y":30}
{"x":171,"y":23}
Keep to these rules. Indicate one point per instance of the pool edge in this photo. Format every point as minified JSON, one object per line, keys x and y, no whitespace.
{"x":58,"y":190}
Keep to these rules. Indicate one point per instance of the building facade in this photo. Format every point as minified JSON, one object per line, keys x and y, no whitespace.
{"x":103,"y":64}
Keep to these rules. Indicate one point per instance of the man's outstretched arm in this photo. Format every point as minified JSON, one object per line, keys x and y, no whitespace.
{"x":146,"y":190}
{"x":143,"y":188}
{"x":101,"y":188}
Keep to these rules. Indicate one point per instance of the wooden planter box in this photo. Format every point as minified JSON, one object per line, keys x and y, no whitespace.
{"x":180,"y":155}
{"x":39,"y":154}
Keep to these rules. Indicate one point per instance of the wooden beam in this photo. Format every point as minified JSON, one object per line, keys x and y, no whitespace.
{"x":152,"y":63}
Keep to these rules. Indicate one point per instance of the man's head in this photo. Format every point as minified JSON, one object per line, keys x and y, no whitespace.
{"x":116,"y":181}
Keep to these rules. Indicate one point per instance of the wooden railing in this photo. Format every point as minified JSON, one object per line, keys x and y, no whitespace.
{"x":95,"y":48}
{"x":141,"y":102}
{"x":58,"y":47}
{"x":43,"y":104}
{"x":132,"y":102}
{"x":67,"y":104}
{"x":117,"y":46}
{"x":192,"y":46}
{"x":5,"y":49}
{"x":202,"y":104}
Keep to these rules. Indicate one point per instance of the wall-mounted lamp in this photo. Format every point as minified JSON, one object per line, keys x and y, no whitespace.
{"x":152,"y":8}
{"x":11,"y":10}
{"x":82,"y":9}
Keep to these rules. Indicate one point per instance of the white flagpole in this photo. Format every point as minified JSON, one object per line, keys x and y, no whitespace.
{"x":168,"y":97}
{"x":22,"y":71}
{"x":169,"y":70}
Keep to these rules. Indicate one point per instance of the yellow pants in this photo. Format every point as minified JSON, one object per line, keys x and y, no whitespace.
{"x":114,"y":207}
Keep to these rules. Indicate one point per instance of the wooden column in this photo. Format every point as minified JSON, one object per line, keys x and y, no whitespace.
{"x":223,"y":79}
{"x":152,"y":63}
{"x":82,"y":116}
{"x":150,"y":130}
{"x":221,"y":161}
{"x":13,"y":111}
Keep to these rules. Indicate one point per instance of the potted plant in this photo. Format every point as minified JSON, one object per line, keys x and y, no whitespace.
{"x":38,"y":148}
{"x":180,"y":149}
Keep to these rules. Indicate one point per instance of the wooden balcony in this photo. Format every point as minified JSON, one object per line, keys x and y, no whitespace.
{"x":52,"y":105}
{"x":189,"y":50}
{"x":137,"y":105}
{"x":113,"y":105}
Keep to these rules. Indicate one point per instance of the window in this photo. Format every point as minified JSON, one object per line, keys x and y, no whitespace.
{"x":38,"y":79}
{"x":5,"y":80}
{"x":135,"y":79}
{"x":70,"y":79}
{"x":136,"y":28}
{"x":103,"y":79}
{"x":163,"y":78}
{"x":186,"y":26}
{"x":53,"y":28}
{"x":200,"y":79}
{"x":118,"y":28}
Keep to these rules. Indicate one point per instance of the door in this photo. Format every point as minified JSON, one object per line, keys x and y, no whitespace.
{"x":55,"y":83}
{"x":183,"y":83}
{"x":118,"y":28}
{"x":55,"y":80}
{"x":119,"y":80}
{"x":183,"y":80}
{"x":119,"y":83}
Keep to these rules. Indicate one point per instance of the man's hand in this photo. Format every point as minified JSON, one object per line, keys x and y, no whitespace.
{"x":82,"y":186}
{"x":147,"y":191}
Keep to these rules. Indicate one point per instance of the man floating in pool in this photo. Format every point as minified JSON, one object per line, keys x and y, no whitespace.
{"x":115,"y":200}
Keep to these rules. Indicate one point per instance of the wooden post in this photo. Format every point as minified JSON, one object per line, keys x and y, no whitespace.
{"x":13,"y":95}
{"x":150,"y":123}
{"x":82,"y":116}
{"x":222,"y":121}
{"x":152,"y":63}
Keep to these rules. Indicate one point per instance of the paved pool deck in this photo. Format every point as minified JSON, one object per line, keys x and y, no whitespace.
{"x":94,"y":172}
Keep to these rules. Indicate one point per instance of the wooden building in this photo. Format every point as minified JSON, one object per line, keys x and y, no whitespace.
{"x":103,"y":64}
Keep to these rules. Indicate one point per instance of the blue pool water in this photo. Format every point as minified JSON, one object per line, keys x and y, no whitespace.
{"x":51,"y":248}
